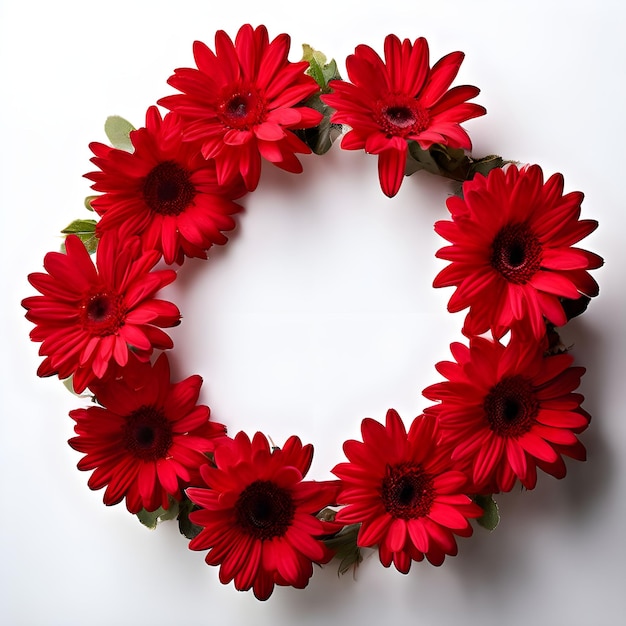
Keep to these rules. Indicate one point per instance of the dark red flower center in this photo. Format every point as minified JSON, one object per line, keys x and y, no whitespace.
{"x":401,"y":116}
{"x":511,"y":406}
{"x":148,"y":434}
{"x":242,"y":108}
{"x":407,"y":491}
{"x":102,"y":313}
{"x":516,"y":253}
{"x":168,"y":189}
{"x":264,"y":510}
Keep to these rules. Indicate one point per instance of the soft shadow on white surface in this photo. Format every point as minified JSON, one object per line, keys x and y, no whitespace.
{"x":319,"y":312}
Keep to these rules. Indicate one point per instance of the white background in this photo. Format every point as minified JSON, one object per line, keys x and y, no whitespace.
{"x":318,"y":313}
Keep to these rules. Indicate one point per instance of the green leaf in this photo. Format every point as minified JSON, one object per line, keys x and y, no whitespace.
{"x":330,"y":71}
{"x":118,"y":130}
{"x":439,"y":160}
{"x":86,"y":232}
{"x":150,"y":519}
{"x":418,"y":159}
{"x":450,"y":159}
{"x":88,"y":200}
{"x":486,"y":164}
{"x":319,"y":69}
{"x":171,"y":513}
{"x":491,"y":516}
{"x":321,"y":137}
{"x":346,"y":549}
{"x":316,"y":61}
{"x":80,"y":226}
{"x":186,"y":527}
{"x":310,"y":54}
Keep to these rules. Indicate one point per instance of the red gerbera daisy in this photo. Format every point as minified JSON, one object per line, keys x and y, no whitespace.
{"x":164,"y":191}
{"x":90,"y":315}
{"x":148,"y":438}
{"x":512,"y":255}
{"x":241,"y":103}
{"x":507,"y":410}
{"x":404,"y":492}
{"x":389,"y":103}
{"x":258,"y":515}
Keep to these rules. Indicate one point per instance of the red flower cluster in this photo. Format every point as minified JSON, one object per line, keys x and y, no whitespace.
{"x":504,"y":410}
{"x":170,"y":197}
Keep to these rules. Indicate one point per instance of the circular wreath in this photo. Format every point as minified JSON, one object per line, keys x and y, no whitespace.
{"x":167,"y":191}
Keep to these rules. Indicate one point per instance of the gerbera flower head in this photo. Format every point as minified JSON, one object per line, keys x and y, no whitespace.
{"x":390,"y":102}
{"x":404,"y":491}
{"x":147,"y":439}
{"x":164,"y":191}
{"x":90,"y":315}
{"x":507,"y":410}
{"x":243,"y":102}
{"x":259,"y":515}
{"x":512,"y":255}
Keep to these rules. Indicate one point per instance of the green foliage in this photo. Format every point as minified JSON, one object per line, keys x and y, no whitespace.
{"x":321,"y":137}
{"x":319,"y":69}
{"x":491,"y":516}
{"x":486,"y":164}
{"x":448,"y":162}
{"x":85,"y":230}
{"x":118,"y":130}
{"x":346,"y":549}
{"x":439,"y":160}
{"x":186,"y":527}
{"x":88,"y":200}
{"x":177,"y":510}
{"x":150,"y":519}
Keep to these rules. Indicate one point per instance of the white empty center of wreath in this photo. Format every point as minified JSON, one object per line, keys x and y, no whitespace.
{"x":320,"y":310}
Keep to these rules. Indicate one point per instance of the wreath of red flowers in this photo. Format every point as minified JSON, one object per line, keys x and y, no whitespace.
{"x":167,"y":191}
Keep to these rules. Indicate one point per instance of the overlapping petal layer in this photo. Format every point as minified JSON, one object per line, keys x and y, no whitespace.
{"x":389,"y":103}
{"x":164,"y":191}
{"x":512,"y":255}
{"x":404,"y":491}
{"x":507,"y":410}
{"x":89,"y":316}
{"x":259,"y":515}
{"x":148,"y":438}
{"x":243,"y":102}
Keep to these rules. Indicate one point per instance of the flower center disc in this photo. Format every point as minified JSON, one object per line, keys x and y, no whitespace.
{"x":511,"y":407}
{"x":399,"y":116}
{"x":407,"y":491}
{"x":168,"y":189}
{"x":516,"y":253}
{"x":102,"y":314}
{"x":264,"y":510}
{"x":320,"y":310}
{"x":242,"y":107}
{"x":147,"y":434}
